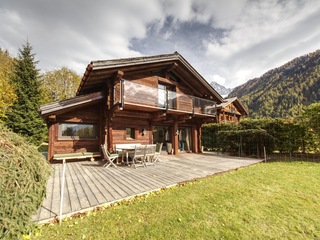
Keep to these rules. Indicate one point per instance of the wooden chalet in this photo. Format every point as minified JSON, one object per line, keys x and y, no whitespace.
{"x":230,"y":110}
{"x":133,"y":100}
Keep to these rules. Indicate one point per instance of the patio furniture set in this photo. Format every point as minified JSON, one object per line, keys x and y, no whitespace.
{"x":135,"y":155}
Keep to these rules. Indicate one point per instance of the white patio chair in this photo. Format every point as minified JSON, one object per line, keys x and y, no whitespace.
{"x":150,"y":154}
{"x":138,"y":157}
{"x":110,"y":158}
{"x":158,"y":152}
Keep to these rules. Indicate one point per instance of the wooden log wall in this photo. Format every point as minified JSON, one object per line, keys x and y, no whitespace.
{"x":131,"y":119}
{"x":90,"y":114}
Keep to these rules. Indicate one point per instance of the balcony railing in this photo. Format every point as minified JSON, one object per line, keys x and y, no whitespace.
{"x":139,"y":94}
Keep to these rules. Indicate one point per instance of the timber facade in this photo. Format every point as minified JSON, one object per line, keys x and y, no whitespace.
{"x":134,"y":100}
{"x":231,"y":110}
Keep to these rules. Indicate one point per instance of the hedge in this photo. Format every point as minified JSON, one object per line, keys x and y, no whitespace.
{"x":251,"y":136}
{"x":23,"y":176}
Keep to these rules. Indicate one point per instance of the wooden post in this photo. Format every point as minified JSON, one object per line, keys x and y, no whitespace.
{"x":175,"y":138}
{"x":199,"y":139}
{"x":51,"y":141}
{"x":194,"y":139}
{"x":110,"y":138}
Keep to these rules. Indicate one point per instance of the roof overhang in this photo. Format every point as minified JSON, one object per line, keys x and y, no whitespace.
{"x":98,"y":72}
{"x":59,"y":107}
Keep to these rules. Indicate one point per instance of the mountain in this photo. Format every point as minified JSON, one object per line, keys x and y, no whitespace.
{"x":283,"y":91}
{"x":223,"y":91}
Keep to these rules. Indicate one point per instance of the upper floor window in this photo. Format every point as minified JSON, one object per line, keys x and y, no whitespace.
{"x":162,"y":94}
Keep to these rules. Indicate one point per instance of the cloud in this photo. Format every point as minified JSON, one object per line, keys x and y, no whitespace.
{"x":231,"y":40}
{"x":254,"y":40}
{"x":217,"y":78}
{"x":62,"y":31}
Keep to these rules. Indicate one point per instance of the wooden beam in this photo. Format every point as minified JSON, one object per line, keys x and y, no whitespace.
{"x":194,"y":139}
{"x":184,"y":117}
{"x":52,"y":118}
{"x":186,"y":80}
{"x":51,"y":139}
{"x":170,"y":69}
{"x":158,"y":116}
{"x":119,"y":74}
{"x":199,"y":139}
{"x":175,"y":138}
{"x":133,"y":114}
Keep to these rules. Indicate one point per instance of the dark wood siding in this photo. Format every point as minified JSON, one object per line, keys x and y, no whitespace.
{"x":85,"y":115}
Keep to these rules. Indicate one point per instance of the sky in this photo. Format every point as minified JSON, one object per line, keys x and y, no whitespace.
{"x":227,"y":41}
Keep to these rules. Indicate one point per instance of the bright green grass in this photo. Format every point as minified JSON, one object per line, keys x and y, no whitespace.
{"x":265,"y":201}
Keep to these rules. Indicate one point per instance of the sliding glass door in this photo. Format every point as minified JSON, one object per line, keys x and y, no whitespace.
{"x":185,"y":139}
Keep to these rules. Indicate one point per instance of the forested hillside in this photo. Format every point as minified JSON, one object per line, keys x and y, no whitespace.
{"x":283,"y":91}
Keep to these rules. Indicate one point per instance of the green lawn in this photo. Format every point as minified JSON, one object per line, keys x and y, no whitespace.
{"x":278,"y":200}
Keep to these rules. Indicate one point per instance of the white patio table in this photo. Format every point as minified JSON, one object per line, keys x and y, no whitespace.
{"x":126,"y":151}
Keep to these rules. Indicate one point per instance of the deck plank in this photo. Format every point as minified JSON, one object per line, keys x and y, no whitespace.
{"x":77,"y":181}
{"x":72,"y":190}
{"x":88,"y":192}
{"x":89,"y":184}
{"x":56,"y":191}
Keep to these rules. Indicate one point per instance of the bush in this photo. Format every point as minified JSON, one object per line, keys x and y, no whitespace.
{"x":23,"y":174}
{"x":250,"y":136}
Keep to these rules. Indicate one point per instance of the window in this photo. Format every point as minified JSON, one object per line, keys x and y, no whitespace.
{"x":162,"y":96}
{"x":130,"y":133}
{"x":78,"y":131}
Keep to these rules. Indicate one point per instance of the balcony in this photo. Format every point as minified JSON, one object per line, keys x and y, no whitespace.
{"x":139,"y":96}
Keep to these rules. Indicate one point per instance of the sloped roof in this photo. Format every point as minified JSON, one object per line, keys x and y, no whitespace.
{"x":236,"y":103}
{"x":71,"y":103}
{"x":97,"y":72}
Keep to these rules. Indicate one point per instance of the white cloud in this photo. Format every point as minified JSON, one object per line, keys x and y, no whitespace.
{"x":228,"y":40}
{"x":254,"y":41}
{"x":64,"y":31}
{"x":217,"y":78}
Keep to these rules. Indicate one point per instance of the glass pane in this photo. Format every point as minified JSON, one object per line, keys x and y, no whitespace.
{"x":162,"y":97}
{"x":141,"y":94}
{"x":129,"y":133}
{"x":78,"y":130}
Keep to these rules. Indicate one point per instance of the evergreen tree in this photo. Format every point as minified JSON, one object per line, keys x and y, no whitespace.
{"x":23,"y":117}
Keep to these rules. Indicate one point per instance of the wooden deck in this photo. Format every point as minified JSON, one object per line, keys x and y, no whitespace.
{"x":88,"y":184}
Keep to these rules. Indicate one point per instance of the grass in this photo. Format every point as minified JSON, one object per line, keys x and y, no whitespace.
{"x":278,"y":200}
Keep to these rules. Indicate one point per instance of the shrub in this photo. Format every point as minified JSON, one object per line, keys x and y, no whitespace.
{"x":250,"y":136}
{"x":23,"y":176}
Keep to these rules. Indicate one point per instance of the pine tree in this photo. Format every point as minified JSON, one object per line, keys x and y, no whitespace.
{"x":23,"y":117}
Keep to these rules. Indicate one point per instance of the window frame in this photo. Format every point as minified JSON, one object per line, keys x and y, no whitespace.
{"x":77,"y":137}
{"x":132,"y":133}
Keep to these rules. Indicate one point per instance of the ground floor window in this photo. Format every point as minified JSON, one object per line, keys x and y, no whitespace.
{"x":78,"y":131}
{"x":161,"y":134}
{"x":130,"y":133}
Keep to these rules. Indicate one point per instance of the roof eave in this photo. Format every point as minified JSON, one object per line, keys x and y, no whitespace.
{"x":64,"y":105}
